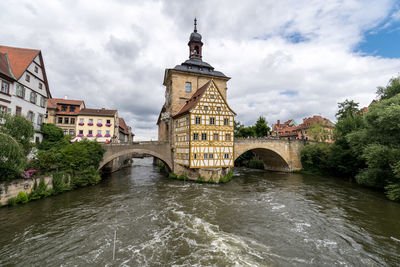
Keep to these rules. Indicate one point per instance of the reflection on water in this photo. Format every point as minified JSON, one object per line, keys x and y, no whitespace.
{"x":259,"y":218}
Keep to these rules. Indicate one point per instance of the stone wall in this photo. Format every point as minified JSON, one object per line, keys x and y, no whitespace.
{"x":12,"y":188}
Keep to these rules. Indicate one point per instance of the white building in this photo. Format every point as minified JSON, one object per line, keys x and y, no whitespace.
{"x":24,"y":88}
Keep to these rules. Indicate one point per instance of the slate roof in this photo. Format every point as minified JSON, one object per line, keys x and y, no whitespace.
{"x":195,"y":65}
{"x":97,"y":112}
{"x":19,"y":58}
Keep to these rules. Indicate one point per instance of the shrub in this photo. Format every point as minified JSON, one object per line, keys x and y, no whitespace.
{"x":12,"y":201}
{"x":39,"y":191}
{"x":90,"y":176}
{"x":316,"y":157}
{"x":22,"y":197}
{"x":60,"y":182}
{"x":182,"y":177}
{"x":172,"y":175}
{"x":226,"y":178}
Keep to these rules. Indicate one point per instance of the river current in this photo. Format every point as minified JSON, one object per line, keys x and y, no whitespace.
{"x":258,"y":219}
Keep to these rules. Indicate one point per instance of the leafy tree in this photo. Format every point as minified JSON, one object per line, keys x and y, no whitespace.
{"x":392,"y":89}
{"x":20,"y":129}
{"x":261,"y":128}
{"x":243,"y":131}
{"x":82,"y":155}
{"x":318,"y":131}
{"x":12,"y":158}
{"x":53,"y":137}
{"x":347,"y":108}
{"x":316,"y":157}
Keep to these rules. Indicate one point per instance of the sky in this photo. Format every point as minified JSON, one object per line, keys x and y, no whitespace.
{"x":287,"y":59}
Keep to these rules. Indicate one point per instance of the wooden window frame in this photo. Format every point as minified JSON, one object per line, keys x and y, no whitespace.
{"x":8,"y":88}
{"x":20,"y":112}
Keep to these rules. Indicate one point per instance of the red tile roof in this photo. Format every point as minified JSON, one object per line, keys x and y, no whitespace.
{"x":123,"y":126}
{"x":19,"y":58}
{"x":192,"y":102}
{"x":97,"y":112}
{"x":66,"y":101}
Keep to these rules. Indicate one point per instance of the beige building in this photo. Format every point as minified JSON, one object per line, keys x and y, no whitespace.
{"x":63,"y":113}
{"x":195,"y":117}
{"x":100,"y":124}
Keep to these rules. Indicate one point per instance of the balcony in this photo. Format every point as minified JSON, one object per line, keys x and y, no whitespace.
{"x":81,"y":124}
{"x":90,"y":124}
{"x":99,"y":124}
{"x":108,"y":124}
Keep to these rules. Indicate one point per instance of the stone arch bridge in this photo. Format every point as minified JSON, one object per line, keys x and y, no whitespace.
{"x":277,"y":154}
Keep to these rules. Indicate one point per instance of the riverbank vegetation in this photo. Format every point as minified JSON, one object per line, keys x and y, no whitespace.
{"x":367,"y":143}
{"x":71,"y":165}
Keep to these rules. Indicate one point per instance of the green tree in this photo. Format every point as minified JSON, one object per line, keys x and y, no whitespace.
{"x":261,"y":128}
{"x":12,"y":158}
{"x":318,"y":131}
{"x":243,"y":131}
{"x":20,"y":129}
{"x":53,"y":137}
{"x":347,"y":108}
{"x":392,"y":89}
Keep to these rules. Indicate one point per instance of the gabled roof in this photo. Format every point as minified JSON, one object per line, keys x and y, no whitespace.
{"x":192,"y":102}
{"x":19,"y":58}
{"x":123,"y":126}
{"x":55,"y":101}
{"x":97,"y":112}
{"x":5,"y":66}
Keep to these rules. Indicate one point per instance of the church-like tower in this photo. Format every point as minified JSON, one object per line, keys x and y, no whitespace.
{"x":196,"y":119}
{"x":183,"y":80}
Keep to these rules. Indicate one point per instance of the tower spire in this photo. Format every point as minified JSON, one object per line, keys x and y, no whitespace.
{"x":195,"y":24}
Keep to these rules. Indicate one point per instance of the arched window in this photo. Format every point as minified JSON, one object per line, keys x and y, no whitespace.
{"x":196,"y":49}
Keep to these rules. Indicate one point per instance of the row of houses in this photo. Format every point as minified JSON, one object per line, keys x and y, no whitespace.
{"x":290,"y":129}
{"x":24,"y":90}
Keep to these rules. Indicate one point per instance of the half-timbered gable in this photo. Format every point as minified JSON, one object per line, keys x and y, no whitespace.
{"x":205,"y":126}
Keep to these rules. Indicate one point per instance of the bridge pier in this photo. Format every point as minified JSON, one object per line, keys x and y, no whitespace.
{"x":118,"y":163}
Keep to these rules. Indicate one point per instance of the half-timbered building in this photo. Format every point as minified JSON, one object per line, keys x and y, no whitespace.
{"x":196,"y":118}
{"x":204,"y":130}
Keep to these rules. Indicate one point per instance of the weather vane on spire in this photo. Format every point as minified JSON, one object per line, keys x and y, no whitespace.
{"x":195,"y":24}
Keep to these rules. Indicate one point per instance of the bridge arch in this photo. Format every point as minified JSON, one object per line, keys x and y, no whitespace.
{"x":158,"y":151}
{"x":276,"y":154}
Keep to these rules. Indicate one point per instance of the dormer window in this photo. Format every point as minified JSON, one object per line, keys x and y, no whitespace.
{"x":188,"y":87}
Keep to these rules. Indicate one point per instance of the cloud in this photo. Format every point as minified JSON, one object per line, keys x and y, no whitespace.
{"x":287,"y":59}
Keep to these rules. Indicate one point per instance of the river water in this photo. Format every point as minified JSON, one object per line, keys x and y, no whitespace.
{"x":258,"y":219}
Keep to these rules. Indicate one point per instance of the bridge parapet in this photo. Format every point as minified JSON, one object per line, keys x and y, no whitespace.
{"x":277,"y":153}
{"x":161,"y":150}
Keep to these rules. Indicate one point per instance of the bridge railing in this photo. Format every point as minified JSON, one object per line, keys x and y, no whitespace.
{"x":136,"y":143}
{"x":268,"y":138}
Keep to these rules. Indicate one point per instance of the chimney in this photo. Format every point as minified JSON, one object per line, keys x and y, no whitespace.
{"x":279,"y":122}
